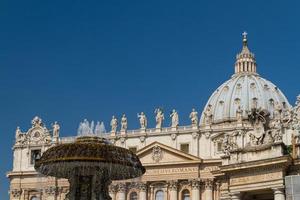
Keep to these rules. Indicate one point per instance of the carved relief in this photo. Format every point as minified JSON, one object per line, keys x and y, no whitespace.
{"x":173,"y":136}
{"x":142,"y":139}
{"x":157,"y":153}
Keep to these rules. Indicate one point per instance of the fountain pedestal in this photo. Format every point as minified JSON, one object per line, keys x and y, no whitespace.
{"x":94,"y":187}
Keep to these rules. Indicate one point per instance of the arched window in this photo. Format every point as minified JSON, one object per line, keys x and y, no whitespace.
{"x":133,"y":196}
{"x":185,"y":195}
{"x":34,"y":198}
{"x":159,"y":195}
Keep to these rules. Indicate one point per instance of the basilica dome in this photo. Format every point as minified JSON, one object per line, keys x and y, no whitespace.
{"x":245,"y":90}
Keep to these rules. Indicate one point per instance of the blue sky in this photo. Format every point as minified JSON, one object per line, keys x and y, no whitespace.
{"x":70,"y":60}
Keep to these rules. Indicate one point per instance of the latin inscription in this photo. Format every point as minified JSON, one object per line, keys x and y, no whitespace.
{"x":255,"y":178}
{"x":171,"y":171}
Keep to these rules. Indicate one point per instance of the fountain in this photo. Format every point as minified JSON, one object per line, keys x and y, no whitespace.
{"x":90,"y":164}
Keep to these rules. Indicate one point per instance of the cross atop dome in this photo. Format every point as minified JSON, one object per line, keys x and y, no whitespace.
{"x":245,"y":38}
{"x":245,"y":60}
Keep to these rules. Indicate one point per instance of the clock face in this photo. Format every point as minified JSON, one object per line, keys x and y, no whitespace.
{"x":36,"y":134}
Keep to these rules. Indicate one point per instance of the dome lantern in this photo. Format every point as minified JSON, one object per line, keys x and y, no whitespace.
{"x":245,"y":60}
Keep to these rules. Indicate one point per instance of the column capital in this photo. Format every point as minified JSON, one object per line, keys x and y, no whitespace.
{"x":50,"y":191}
{"x":112,"y":188}
{"x":173,"y":185}
{"x":142,"y":187}
{"x":195,"y":183}
{"x":121,"y":187}
{"x":16,"y":193}
{"x":278,"y":190}
{"x":208,"y":184}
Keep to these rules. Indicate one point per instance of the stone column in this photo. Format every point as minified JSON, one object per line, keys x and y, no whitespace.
{"x":151,"y":193}
{"x":112,"y":192}
{"x":208,"y":189}
{"x":195,"y":189}
{"x":279,"y":194}
{"x":143,"y":191}
{"x":121,"y":191}
{"x":235,"y":195}
{"x":173,"y":190}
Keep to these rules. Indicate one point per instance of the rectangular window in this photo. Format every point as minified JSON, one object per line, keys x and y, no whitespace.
{"x":133,"y":149}
{"x":184,"y":148}
{"x":219,"y":146}
{"x":35,"y":154}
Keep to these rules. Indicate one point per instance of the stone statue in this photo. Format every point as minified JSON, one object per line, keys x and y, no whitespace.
{"x":19,"y":136}
{"x":258,"y":119}
{"x":124,"y":123}
{"x":226,"y":145}
{"x":194,"y":117}
{"x":143,"y":120}
{"x":114,"y":124}
{"x":159,"y":118}
{"x":56,"y":129}
{"x":208,"y":115}
{"x":239,"y":114}
{"x":276,"y":126}
{"x":174,"y":118}
{"x":36,"y":121}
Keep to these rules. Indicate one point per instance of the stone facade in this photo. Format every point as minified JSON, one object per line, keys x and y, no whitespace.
{"x":243,"y":147}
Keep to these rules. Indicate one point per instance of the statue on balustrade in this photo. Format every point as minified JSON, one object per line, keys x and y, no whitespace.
{"x":194,"y":117}
{"x":114,"y":124}
{"x":56,"y":129}
{"x":143,"y":120}
{"x":208,"y":115}
{"x":174,"y":118}
{"x":19,"y":136}
{"x":159,"y":118}
{"x":124,"y":123}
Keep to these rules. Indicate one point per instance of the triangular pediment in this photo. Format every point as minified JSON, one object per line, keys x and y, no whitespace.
{"x":158,"y":154}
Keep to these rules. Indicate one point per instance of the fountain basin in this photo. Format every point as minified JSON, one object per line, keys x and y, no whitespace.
{"x":90,"y":162}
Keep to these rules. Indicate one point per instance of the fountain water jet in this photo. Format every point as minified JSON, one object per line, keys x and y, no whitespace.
{"x":90,"y":164}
